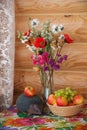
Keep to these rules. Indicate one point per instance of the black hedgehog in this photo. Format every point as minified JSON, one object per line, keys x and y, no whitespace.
{"x":30,"y":105}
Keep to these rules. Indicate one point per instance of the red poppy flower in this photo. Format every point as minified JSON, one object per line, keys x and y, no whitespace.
{"x":67,"y":38}
{"x":40,"y":42}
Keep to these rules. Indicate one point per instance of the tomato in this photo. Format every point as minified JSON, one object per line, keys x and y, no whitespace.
{"x":29,"y":91}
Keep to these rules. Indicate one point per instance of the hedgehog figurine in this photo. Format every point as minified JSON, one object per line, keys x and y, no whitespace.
{"x":30,"y":105}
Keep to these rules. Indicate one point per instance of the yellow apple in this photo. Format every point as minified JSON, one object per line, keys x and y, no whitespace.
{"x":51,"y":99}
{"x":78,"y":99}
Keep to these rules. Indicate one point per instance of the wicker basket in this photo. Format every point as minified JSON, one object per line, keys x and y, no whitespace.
{"x":65,"y":110}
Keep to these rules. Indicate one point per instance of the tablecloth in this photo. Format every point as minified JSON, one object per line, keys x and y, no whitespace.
{"x":12,"y":120}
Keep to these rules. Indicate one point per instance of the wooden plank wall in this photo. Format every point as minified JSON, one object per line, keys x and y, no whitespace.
{"x":73,"y":15}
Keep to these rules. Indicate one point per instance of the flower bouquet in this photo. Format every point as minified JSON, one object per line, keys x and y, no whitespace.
{"x":45,"y":41}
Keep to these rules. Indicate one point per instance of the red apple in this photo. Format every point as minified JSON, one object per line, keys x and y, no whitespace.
{"x":78,"y":99}
{"x":51,"y":99}
{"x":61,"y":101}
{"x":29,"y":91}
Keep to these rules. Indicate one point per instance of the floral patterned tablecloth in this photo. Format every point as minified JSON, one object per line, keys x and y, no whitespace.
{"x":11,"y":120}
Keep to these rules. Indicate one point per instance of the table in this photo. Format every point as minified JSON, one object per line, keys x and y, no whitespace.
{"x":11,"y":120}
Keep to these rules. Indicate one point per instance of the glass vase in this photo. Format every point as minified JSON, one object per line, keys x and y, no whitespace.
{"x":46,"y":82}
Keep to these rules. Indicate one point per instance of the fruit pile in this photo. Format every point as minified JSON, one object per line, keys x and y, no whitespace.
{"x":65,"y":97}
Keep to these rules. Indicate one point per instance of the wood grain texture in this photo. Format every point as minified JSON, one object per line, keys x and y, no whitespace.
{"x":75,"y":79}
{"x":50,"y":6}
{"x":75,"y":25}
{"x":61,"y":78}
{"x":73,"y":15}
{"x":77,"y":57}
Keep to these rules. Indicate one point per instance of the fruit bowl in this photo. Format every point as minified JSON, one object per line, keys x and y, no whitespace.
{"x":65,"y":110}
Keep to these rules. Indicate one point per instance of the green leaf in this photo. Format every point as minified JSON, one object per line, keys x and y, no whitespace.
{"x":26,"y":127}
{"x":19,"y":34}
{"x":67,"y":128}
{"x":59,"y":128}
{"x":0,"y":125}
{"x":85,"y":119}
{"x":22,"y":114}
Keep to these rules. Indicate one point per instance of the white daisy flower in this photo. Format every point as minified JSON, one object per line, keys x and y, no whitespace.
{"x":61,"y":37}
{"x":60,"y":27}
{"x":34,"y":22}
{"x":59,"y":30}
{"x":55,"y":29}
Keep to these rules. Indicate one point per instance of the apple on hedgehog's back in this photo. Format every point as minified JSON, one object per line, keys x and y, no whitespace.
{"x":29,"y":91}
